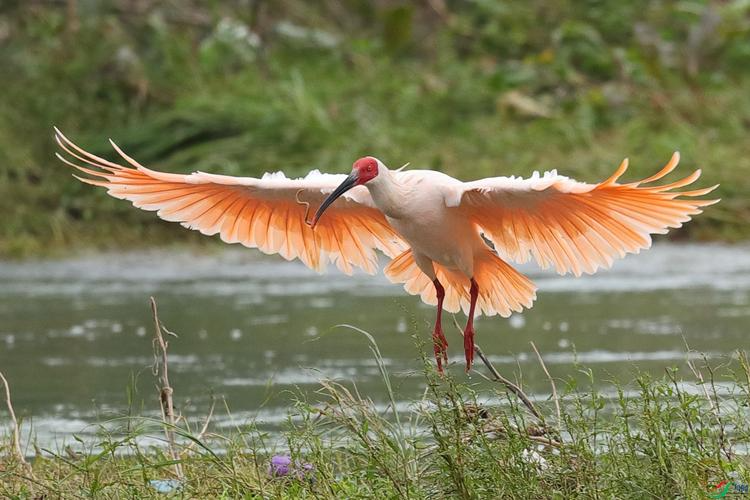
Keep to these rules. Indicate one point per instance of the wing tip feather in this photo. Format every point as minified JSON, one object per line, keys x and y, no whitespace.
{"x":617,"y":174}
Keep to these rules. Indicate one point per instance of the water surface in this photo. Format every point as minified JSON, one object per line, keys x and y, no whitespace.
{"x":253,"y":329}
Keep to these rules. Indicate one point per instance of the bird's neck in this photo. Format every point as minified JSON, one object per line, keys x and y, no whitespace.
{"x":388,"y":193}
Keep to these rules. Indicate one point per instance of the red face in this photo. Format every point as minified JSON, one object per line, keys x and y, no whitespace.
{"x":367,"y":169}
{"x":364,"y":170}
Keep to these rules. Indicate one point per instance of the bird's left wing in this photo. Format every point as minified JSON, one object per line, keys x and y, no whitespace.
{"x":267,"y":213}
{"x":574,"y":226}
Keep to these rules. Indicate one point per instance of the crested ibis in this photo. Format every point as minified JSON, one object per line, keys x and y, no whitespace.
{"x":449,"y":241}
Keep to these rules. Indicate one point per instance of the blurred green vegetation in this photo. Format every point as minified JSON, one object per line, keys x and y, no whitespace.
{"x":473,"y":88}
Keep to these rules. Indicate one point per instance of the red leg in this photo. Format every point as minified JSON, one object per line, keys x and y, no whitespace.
{"x":469,"y":331}
{"x":440,"y":343}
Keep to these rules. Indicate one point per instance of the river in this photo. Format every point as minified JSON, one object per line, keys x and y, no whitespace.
{"x":254,"y":329}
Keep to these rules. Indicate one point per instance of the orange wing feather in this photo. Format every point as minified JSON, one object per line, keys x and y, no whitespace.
{"x":578,"y":227}
{"x":258,"y":213}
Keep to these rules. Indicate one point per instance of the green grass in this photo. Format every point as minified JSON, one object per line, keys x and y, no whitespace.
{"x":665,"y":437}
{"x":478,"y":89}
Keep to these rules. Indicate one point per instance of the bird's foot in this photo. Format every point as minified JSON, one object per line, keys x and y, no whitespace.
{"x":469,"y":346}
{"x":440,"y":347}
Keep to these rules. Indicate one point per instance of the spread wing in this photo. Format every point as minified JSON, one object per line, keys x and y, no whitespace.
{"x":574,"y":226}
{"x":267,"y":213}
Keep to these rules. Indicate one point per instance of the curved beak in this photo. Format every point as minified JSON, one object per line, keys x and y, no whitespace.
{"x":345,"y":186}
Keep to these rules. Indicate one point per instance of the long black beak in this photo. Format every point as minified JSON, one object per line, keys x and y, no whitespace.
{"x":345,"y":186}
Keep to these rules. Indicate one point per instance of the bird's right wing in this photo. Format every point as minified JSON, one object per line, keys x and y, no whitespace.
{"x":267,"y":213}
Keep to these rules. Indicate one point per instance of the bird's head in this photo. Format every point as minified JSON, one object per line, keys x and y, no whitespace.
{"x":363,"y":171}
{"x":366,"y":169}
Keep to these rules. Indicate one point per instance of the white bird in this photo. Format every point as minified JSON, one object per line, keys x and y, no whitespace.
{"x":434,"y":228}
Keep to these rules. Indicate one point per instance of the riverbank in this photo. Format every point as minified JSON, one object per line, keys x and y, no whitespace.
{"x":684,"y":434}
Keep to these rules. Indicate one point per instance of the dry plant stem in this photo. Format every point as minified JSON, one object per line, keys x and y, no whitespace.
{"x":496,"y":377}
{"x":203,"y":429}
{"x":725,"y":444}
{"x":16,"y":443}
{"x":680,"y":397}
{"x":555,"y":397}
{"x":165,"y":391}
{"x":745,"y":364}
{"x":699,"y":376}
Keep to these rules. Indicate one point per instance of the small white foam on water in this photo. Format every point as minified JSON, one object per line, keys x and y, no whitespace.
{"x":401,"y":325}
{"x":269,"y":319}
{"x":516,"y":321}
{"x":76,"y":330}
{"x":56,"y":361}
{"x":321,"y":302}
{"x":241,"y":302}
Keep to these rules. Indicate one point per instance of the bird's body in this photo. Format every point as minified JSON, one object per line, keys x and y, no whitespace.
{"x":434,"y":228}
{"x":415,"y":204}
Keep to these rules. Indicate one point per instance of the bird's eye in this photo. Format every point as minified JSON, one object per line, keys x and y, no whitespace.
{"x":369,"y":168}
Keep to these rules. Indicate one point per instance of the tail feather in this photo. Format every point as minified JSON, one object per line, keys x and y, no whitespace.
{"x":502,"y":289}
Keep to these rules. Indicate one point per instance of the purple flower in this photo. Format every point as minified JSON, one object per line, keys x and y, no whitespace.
{"x":282,"y":466}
